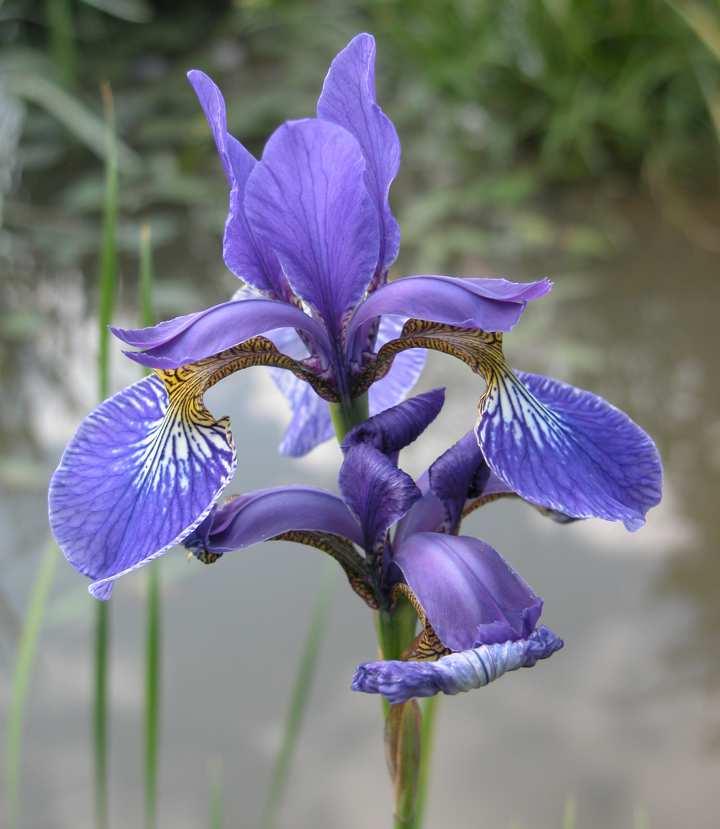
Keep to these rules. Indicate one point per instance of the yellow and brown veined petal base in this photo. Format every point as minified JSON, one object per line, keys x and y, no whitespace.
{"x":146,"y":466}
{"x":558,"y":447}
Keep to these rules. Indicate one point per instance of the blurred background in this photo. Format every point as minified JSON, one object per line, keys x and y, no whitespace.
{"x":576,"y":139}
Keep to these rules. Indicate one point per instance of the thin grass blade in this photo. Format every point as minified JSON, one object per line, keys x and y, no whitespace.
{"x":153,"y":633}
{"x":427,"y":739}
{"x":108,"y":288}
{"x":25,"y":660}
{"x":299,"y":700}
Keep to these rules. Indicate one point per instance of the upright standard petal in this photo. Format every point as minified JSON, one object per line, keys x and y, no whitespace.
{"x":468,"y":592}
{"x":307,"y":200}
{"x":568,"y":450}
{"x":377,"y":492}
{"x":348,"y":99}
{"x":141,"y":472}
{"x":247,"y":257}
{"x":457,"y":672}
{"x":465,"y":303}
{"x":193,"y":337}
{"x":267,"y":513}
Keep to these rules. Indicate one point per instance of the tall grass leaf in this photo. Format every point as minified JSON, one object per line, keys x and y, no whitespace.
{"x":132,"y":11}
{"x":108,"y":287}
{"x":24,"y":662}
{"x":153,"y":632}
{"x":299,"y":700}
{"x":80,"y":121}
{"x":216,"y":796}
{"x":58,"y":14}
{"x":570,"y":814}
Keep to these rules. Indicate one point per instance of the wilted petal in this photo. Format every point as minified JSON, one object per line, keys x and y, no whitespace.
{"x":348,"y":99}
{"x":377,"y":492}
{"x":141,"y":472}
{"x":469,"y":593}
{"x":245,"y":256}
{"x":259,"y":516}
{"x":465,"y":303}
{"x":569,"y":450}
{"x":193,"y":337}
{"x":473,"y":668}
{"x":399,"y":426}
{"x":307,"y":200}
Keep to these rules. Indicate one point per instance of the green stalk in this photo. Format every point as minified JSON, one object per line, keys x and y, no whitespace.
{"x":62,"y":42}
{"x":25,"y":660}
{"x":427,"y":736}
{"x":407,"y":732}
{"x":216,"y":798}
{"x":108,"y":281}
{"x":299,"y":700}
{"x":153,"y":635}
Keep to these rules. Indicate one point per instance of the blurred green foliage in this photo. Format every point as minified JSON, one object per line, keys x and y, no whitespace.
{"x":508,"y":110}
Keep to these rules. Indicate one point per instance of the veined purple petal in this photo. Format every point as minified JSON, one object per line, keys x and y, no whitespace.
{"x":245,"y":256}
{"x":569,"y":450}
{"x":377,"y":492}
{"x":193,"y":337}
{"x":267,"y":513}
{"x":473,"y":668}
{"x":310,"y":423}
{"x":426,"y":515}
{"x":404,"y":372}
{"x":348,"y":99}
{"x":469,"y":593}
{"x":397,"y":427}
{"x":137,"y":477}
{"x":307,"y":200}
{"x":466,"y":303}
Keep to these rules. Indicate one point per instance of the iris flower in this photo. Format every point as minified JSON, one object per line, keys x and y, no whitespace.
{"x":311,"y":234}
{"x":478,"y":618}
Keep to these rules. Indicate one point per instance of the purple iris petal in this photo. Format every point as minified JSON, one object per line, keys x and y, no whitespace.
{"x":192,"y":337}
{"x":244,"y":255}
{"x":404,"y":372}
{"x":307,"y":199}
{"x":135,"y":479}
{"x":469,"y":593}
{"x":473,"y":668}
{"x":466,"y":303}
{"x":569,"y":450}
{"x":377,"y":492}
{"x":348,"y":99}
{"x":310,"y":423}
{"x":426,"y":515}
{"x":458,"y":474}
{"x":266,"y":513}
{"x":399,"y":426}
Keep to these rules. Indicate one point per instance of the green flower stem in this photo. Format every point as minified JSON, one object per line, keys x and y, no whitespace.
{"x":407,"y":731}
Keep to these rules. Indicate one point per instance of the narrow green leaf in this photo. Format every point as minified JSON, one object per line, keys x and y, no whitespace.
{"x":299,"y":700}
{"x":107,"y":291}
{"x":570,"y":814}
{"x":153,"y":634}
{"x":24,"y":662}
{"x":58,"y":14}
